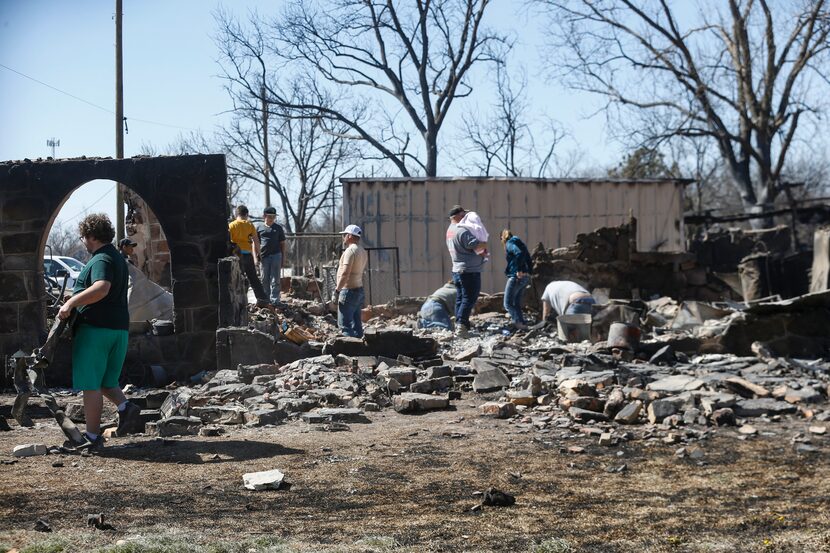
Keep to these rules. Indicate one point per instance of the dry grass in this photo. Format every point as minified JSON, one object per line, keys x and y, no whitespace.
{"x":406,"y":483}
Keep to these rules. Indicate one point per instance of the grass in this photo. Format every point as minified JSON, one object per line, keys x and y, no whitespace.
{"x":377,"y":544}
{"x":176,"y":541}
{"x":50,"y":545}
{"x":553,"y":545}
{"x":179,"y":542}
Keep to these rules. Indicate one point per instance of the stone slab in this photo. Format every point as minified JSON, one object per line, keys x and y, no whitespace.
{"x":660,"y":409}
{"x":410,"y":402}
{"x":497,"y":410}
{"x":247,"y":373}
{"x":584,"y":415}
{"x":265,"y":480}
{"x":675,"y":384}
{"x":263,"y":416}
{"x":763,"y":406}
{"x":629,"y":414}
{"x":490,"y":379}
{"x":176,"y":426}
{"x":345,"y":414}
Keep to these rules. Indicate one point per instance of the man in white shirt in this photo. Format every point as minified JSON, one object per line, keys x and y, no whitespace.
{"x":564,"y":297}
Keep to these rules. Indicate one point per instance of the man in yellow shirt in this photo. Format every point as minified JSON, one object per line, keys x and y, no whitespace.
{"x":246,"y":242}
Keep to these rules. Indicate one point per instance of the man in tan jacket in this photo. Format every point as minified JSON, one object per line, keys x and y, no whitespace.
{"x":350,"y":295}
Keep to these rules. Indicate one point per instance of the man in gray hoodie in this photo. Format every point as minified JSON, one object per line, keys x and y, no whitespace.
{"x":467,"y":254}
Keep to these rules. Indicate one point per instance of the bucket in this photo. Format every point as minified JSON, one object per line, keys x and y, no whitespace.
{"x":162,"y":327}
{"x":624,"y":336}
{"x":574,"y":328}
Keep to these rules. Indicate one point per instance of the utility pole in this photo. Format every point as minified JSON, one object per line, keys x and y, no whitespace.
{"x":119,"y":121}
{"x":53,"y":143}
{"x":267,"y":165}
{"x":333,"y":205}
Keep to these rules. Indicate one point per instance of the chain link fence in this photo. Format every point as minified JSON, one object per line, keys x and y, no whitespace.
{"x":321,"y":252}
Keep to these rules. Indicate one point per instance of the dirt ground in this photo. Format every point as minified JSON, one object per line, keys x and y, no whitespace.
{"x":406,"y":482}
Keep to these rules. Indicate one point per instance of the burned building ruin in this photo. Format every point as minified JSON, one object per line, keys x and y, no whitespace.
{"x":188,"y":195}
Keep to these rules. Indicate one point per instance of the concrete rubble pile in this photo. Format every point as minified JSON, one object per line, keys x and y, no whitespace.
{"x":573,"y":389}
{"x":664,"y":386}
{"x":679,"y":371}
{"x":330,"y":389}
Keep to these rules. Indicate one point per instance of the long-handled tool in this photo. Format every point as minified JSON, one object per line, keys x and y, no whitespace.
{"x":25,"y":381}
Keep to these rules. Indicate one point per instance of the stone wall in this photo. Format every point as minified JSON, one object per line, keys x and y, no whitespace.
{"x":723,"y":249}
{"x":186,"y":193}
{"x":233,"y":293}
{"x":608,"y":258}
{"x":758,"y":263}
{"x":151,"y":253}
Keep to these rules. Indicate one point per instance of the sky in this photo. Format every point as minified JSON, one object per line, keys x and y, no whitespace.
{"x":172,"y":81}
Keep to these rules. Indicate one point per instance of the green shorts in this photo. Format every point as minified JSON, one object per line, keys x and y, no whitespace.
{"x":97,"y":357}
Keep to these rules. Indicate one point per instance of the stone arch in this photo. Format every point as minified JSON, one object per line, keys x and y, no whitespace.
{"x":188,"y":195}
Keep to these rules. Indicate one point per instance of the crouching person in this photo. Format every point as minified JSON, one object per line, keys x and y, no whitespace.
{"x":435,"y":312}
{"x":99,"y":345}
{"x":563,"y":297}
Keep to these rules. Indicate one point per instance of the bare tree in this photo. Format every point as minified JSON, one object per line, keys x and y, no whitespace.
{"x":306,"y":157}
{"x":712,"y":189}
{"x":744,"y":74}
{"x":645,"y":163}
{"x":388,"y":70}
{"x":503,"y":143}
{"x":63,"y":240}
{"x":808,"y":176}
{"x":197,"y":142}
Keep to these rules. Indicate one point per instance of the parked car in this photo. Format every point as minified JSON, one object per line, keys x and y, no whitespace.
{"x":57,"y":263}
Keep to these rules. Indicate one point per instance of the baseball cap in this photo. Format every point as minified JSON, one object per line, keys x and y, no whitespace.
{"x":456,"y":209}
{"x":269,"y":211}
{"x":126,"y":242}
{"x":354,"y":230}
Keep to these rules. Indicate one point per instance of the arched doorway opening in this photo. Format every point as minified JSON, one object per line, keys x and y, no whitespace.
{"x":145,"y":248}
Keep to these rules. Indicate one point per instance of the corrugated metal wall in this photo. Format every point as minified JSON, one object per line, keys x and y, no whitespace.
{"x":412,"y":215}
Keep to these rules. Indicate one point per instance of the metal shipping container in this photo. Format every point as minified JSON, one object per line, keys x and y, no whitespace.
{"x":411,"y":214}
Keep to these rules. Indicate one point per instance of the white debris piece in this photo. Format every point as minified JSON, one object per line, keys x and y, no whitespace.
{"x":266,"y":480}
{"x":29,"y":450}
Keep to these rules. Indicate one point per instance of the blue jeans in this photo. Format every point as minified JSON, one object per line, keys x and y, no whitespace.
{"x":513,"y":293}
{"x":467,"y":286}
{"x":581,"y":306}
{"x":271,"y":276}
{"x":349,"y":304}
{"x":433,"y":314}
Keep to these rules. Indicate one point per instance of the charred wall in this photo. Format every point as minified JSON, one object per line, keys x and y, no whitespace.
{"x":186,"y":193}
{"x":608,"y":258}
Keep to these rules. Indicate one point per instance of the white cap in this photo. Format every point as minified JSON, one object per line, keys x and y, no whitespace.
{"x":354,"y":230}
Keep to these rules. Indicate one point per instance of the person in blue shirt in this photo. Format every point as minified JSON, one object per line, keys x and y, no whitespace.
{"x":518,"y":275}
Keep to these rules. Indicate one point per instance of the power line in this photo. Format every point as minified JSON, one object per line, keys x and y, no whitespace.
{"x":57,"y":89}
{"x":159,"y":124}
{"x":96,"y":106}
{"x":87,"y":208}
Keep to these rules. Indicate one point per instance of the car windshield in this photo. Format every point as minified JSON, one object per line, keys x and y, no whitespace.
{"x":73,"y":263}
